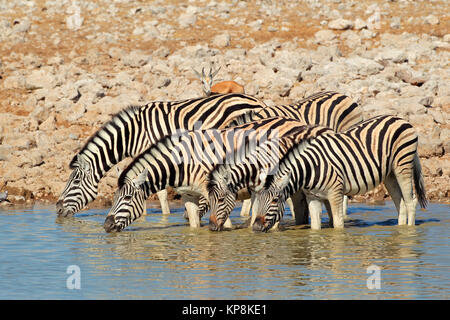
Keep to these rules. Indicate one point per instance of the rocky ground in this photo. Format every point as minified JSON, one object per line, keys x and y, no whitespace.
{"x":67,"y":67}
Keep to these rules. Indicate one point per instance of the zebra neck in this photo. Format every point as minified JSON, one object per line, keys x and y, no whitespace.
{"x":125,"y":135}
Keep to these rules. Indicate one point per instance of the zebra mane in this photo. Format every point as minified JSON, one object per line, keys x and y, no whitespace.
{"x":269,"y":180}
{"x":210,"y":178}
{"x":130,"y":110}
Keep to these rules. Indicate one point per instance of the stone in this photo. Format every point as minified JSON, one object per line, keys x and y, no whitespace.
{"x":431,"y":19}
{"x":136,"y":59}
{"x":394,"y":55}
{"x":359,"y":24}
{"x":49,"y":124}
{"x":340,"y":24}
{"x":21,"y":26}
{"x":186,"y":19}
{"x":221,"y":40}
{"x":39,"y":79}
{"x":324,"y":36}
{"x":363,"y":66}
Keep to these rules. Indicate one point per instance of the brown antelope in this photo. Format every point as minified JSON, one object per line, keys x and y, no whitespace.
{"x":221,"y":87}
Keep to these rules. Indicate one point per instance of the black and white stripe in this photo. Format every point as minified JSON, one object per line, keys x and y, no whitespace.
{"x":381,"y":149}
{"x":134,"y":129}
{"x":328,"y":108}
{"x":183,"y":162}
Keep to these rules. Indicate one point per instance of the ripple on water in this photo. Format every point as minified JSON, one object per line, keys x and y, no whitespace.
{"x":160,"y":257}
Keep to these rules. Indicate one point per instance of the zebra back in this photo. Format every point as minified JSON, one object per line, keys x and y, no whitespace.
{"x":186,"y":159}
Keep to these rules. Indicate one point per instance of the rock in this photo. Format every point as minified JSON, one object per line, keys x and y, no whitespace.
{"x":21,"y":25}
{"x":221,"y":40}
{"x":359,"y":24}
{"x":431,"y":19}
{"x":186,"y":19}
{"x":363,"y":66}
{"x":14,"y":82}
{"x":437,"y":115}
{"x":39,"y":79}
{"x":49,"y":124}
{"x":256,"y":25}
{"x":5,"y":152}
{"x":136,"y":59}
{"x":394,"y":55}
{"x":340,"y":24}
{"x":367,"y":34}
{"x":407,"y":76}
{"x":324,"y":36}
{"x":429,"y":146}
{"x":395,"y":23}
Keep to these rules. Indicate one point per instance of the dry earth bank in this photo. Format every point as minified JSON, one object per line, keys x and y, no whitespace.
{"x":67,"y":67}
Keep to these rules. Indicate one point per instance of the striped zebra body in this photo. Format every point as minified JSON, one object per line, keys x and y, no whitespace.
{"x":327,"y":108}
{"x":183,"y":162}
{"x":226,"y":180}
{"x":381,"y":149}
{"x":134,"y":129}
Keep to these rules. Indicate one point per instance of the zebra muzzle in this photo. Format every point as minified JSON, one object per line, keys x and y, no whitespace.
{"x":61,"y":211}
{"x":259,"y":224}
{"x":110,"y":225}
{"x":214,"y":224}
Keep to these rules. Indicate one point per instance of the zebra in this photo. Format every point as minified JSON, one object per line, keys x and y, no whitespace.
{"x":226,"y":180}
{"x":327,"y":108}
{"x":380,"y":149}
{"x":133,"y":130}
{"x":183,"y":162}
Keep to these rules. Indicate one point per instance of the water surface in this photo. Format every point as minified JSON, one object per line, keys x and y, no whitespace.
{"x":160,"y":257}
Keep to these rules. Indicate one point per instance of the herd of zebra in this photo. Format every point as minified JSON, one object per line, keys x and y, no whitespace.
{"x":222,"y":148}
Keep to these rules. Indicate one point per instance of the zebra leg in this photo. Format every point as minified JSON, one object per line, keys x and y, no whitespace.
{"x":336,"y":199}
{"x":345,"y":206}
{"x":315,"y":209}
{"x":404,"y":179}
{"x":246,"y":207}
{"x":290,"y":203}
{"x":162,"y":196}
{"x":330,"y":214}
{"x":192,"y":209}
{"x":394,"y":191}
{"x":300,"y":210}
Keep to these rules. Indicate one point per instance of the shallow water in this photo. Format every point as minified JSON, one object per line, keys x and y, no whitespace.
{"x":160,"y":257}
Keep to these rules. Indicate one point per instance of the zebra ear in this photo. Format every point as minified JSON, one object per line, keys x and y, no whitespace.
{"x":83,"y":164}
{"x":118,"y":171}
{"x":140,"y":179}
{"x":223,"y":175}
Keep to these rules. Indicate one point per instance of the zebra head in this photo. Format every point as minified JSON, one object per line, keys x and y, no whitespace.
{"x":222,"y":197}
{"x":128,"y":204}
{"x":269,"y":201}
{"x":81,"y":188}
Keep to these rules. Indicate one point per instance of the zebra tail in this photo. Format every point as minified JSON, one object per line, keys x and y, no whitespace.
{"x":418,"y":182}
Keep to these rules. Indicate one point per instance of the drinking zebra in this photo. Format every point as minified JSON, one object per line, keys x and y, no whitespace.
{"x":326,"y":108}
{"x":183,"y":162}
{"x":381,"y":149}
{"x":133,"y":130}
{"x":226,"y":180}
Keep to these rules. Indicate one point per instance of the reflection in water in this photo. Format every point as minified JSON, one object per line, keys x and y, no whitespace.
{"x":160,"y":257}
